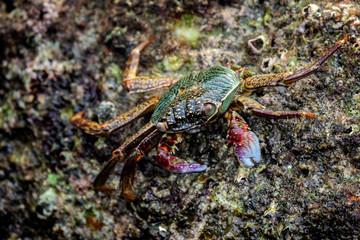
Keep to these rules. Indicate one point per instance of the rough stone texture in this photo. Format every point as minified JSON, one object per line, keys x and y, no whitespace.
{"x":59,"y":57}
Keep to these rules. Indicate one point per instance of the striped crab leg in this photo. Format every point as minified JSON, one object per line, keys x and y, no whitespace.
{"x":253,"y":107}
{"x":94,"y":128}
{"x":286,"y":79}
{"x":132,"y":150}
{"x":135,"y":84}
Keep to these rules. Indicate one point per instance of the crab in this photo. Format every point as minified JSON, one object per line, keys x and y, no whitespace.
{"x":189,"y":106}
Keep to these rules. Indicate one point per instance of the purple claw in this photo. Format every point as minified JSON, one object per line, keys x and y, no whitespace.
{"x":185,"y":167}
{"x":174,"y":164}
{"x":249,"y":149}
{"x":171,"y":163}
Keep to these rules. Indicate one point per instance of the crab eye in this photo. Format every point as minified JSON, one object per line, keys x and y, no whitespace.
{"x":162,"y":126}
{"x":209,"y":109}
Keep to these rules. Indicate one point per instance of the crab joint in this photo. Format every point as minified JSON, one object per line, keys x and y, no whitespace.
{"x":118,"y":154}
{"x":162,"y":126}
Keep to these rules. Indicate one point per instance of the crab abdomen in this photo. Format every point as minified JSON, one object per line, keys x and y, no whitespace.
{"x":181,"y":108}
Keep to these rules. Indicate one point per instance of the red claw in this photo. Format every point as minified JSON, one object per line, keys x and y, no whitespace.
{"x":171,"y":163}
{"x":247,"y":147}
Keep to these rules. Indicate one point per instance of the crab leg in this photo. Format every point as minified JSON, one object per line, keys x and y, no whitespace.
{"x":135,"y":84}
{"x":166,"y":147}
{"x":256,"y":109}
{"x":286,"y":79}
{"x":128,"y":172}
{"x":146,"y":84}
{"x":133,"y":62}
{"x":94,"y":128}
{"x":119,"y":154}
{"x":247,"y":147}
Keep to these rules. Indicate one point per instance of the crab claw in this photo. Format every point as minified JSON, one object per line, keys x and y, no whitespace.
{"x":175,"y":164}
{"x":166,"y":160}
{"x":181,"y":166}
{"x":249,"y":149}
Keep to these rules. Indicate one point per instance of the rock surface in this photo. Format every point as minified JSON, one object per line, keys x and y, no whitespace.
{"x":59,"y":57}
